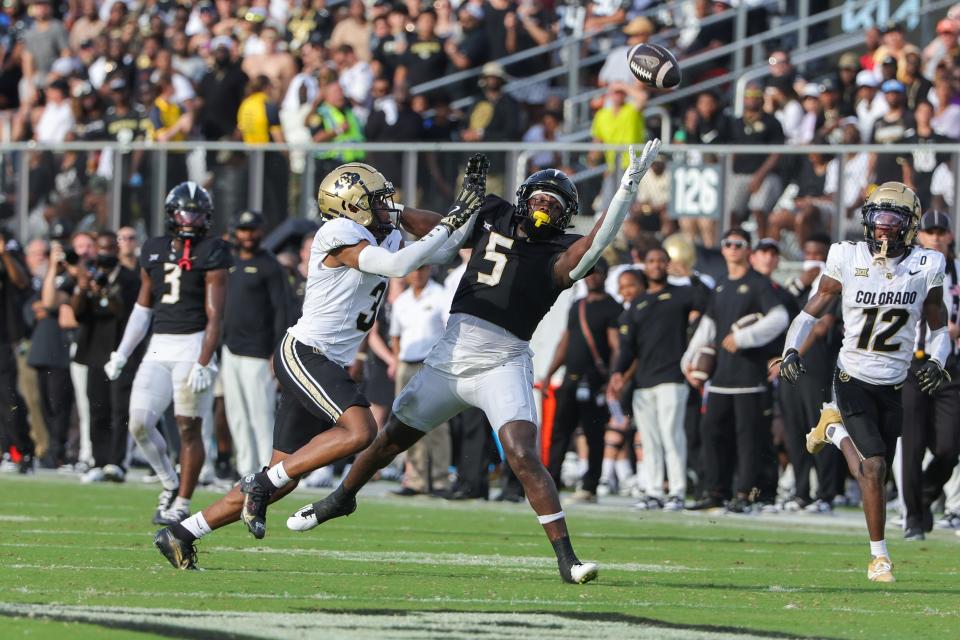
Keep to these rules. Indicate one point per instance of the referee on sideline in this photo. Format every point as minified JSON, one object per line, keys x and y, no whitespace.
{"x":255,"y":319}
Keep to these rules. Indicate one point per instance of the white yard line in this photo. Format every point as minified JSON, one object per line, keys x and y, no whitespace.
{"x":347,"y":625}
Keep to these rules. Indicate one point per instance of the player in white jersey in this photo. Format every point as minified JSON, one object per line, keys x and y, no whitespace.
{"x":322,"y":416}
{"x":886,"y":283}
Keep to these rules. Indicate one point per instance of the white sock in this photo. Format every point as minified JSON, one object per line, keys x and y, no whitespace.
{"x":837,"y":432}
{"x":197,"y":525}
{"x":277,"y":475}
{"x":879,"y":548}
{"x":181,"y":503}
{"x":624,"y":469}
{"x":154,"y":448}
{"x":606,"y":471}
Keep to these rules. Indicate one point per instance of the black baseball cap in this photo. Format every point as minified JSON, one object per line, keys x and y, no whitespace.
{"x":249,"y":220}
{"x":740,"y":232}
{"x":768,"y":244}
{"x":934,"y":219}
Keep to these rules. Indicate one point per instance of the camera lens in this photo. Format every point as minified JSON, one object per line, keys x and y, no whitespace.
{"x":70,"y":257}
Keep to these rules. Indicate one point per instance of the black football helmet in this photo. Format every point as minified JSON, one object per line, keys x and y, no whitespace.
{"x":555,"y":183}
{"x":189,"y":210}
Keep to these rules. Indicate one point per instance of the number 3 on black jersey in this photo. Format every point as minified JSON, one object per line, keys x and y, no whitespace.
{"x":498,"y":259}
{"x":171,"y":276}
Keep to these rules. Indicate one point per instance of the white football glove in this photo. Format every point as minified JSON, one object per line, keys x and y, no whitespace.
{"x":639,"y":166}
{"x":201,"y":377}
{"x":114,"y":366}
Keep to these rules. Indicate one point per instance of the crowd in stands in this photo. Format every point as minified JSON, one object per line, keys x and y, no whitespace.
{"x":348,"y":72}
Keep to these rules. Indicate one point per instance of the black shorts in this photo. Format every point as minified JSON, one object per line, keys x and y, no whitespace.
{"x":872,"y":414}
{"x":314,"y":394}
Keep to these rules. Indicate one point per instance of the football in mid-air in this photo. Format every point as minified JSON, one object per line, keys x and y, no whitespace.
{"x":654,"y":66}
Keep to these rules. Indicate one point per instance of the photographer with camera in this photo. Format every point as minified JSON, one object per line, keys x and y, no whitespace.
{"x":102,"y":301}
{"x":14,"y":283}
{"x":49,"y":352}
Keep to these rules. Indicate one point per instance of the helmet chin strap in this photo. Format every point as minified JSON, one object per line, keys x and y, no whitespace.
{"x":185,"y":263}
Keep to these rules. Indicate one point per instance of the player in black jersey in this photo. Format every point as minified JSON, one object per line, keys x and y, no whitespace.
{"x":183,"y":286}
{"x":522,"y":259}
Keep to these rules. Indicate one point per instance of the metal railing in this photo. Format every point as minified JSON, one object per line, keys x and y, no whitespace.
{"x":428,"y":173}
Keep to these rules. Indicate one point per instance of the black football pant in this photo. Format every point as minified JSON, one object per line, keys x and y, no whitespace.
{"x":109,"y":416}
{"x":475,"y":454}
{"x":935,"y":425}
{"x":800,"y":405}
{"x":56,"y":402}
{"x":592,"y":418}
{"x":14,"y":428}
{"x":691,"y":424}
{"x":736,"y":442}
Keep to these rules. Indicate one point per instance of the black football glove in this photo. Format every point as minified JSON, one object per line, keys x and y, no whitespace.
{"x":791,"y":368}
{"x":468,"y":201}
{"x":476,"y":172}
{"x":930,"y":376}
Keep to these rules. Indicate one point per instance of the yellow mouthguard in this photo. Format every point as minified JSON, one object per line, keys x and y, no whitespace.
{"x":540,"y":218}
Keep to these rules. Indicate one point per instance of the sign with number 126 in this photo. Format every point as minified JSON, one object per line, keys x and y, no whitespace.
{"x":696,"y":191}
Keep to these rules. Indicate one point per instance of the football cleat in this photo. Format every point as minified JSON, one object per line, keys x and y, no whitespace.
{"x":164,"y":502}
{"x":817,"y":437}
{"x":881,"y":570}
{"x":333,"y":506}
{"x":255,"y":501}
{"x":172,"y":516}
{"x":579,"y":573}
{"x":182,"y":555}
{"x":913,"y":534}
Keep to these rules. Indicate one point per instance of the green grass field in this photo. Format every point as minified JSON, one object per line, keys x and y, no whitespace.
{"x":78,"y":562}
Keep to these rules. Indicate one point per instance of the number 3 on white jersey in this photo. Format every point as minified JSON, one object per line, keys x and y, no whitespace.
{"x":171,"y":276}
{"x":498,"y":259}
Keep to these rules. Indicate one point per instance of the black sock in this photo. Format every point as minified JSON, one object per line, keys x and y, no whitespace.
{"x":342,"y":492}
{"x":564,"y":550}
{"x":182,"y":533}
{"x":223,"y":457}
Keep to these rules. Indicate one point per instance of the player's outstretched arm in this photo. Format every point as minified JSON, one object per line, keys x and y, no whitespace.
{"x":931,"y":373}
{"x":577,"y":261}
{"x":791,"y":367}
{"x":137,"y":326}
{"x":419,"y":222}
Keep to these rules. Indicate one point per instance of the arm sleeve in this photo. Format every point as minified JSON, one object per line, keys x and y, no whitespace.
{"x":765,"y":330}
{"x":705,"y":334}
{"x":136,"y":330}
{"x":380,"y":261}
{"x":939,"y":342}
{"x":616,"y":212}
{"x":799,"y":330}
{"x":452,"y":245}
